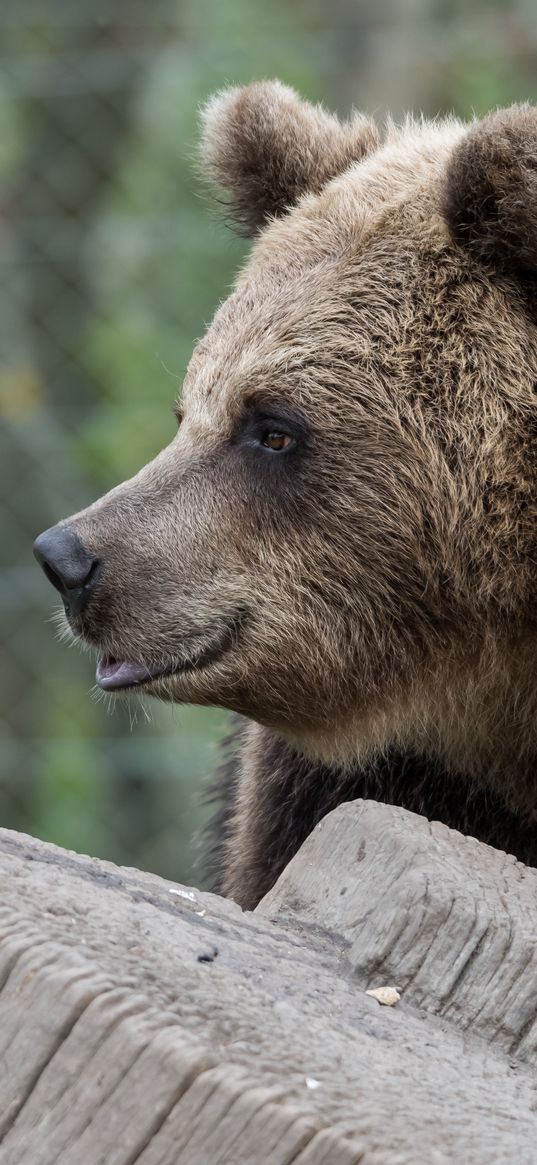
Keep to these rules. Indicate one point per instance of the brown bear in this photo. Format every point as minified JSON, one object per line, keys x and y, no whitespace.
{"x":340,"y":543}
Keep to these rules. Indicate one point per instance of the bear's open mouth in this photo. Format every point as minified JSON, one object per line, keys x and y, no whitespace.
{"x":124,"y":673}
{"x":196,"y":652}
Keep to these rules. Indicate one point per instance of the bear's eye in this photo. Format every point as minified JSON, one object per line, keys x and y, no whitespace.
{"x":270,"y":432}
{"x":278,"y":441}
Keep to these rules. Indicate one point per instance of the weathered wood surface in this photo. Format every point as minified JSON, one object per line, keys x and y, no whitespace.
{"x":451,"y":922}
{"x":140,"y":1025}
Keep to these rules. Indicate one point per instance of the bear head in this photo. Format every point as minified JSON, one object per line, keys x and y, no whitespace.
{"x":340,"y":540}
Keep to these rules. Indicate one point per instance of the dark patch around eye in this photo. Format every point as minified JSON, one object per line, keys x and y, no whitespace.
{"x":272,"y":428}
{"x":178,"y":411}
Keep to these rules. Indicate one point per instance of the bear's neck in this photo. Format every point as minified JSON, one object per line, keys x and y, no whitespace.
{"x":479,"y":723}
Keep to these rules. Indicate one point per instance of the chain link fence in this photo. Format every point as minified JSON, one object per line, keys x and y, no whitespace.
{"x":111,"y":263}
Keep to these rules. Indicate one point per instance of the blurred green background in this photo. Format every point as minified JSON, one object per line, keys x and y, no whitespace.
{"x":112,"y":261}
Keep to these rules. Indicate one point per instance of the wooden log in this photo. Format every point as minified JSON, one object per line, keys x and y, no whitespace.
{"x":142,"y":1022}
{"x":451,"y":922}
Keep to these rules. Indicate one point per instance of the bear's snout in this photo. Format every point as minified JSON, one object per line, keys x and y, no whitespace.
{"x":71,"y":569}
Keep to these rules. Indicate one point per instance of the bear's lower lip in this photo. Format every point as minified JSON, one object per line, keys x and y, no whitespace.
{"x":113,"y":673}
{"x":123,"y":673}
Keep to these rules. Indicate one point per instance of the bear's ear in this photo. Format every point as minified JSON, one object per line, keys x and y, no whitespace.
{"x":491,"y":197}
{"x":265,"y":147}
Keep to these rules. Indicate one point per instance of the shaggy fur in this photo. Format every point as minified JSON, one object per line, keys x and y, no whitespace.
{"x":264,"y":172}
{"x":367,"y":597}
{"x":253,"y":840}
{"x":491,"y":193}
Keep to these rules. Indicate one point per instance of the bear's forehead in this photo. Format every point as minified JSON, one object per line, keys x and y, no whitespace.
{"x":267,"y":340}
{"x":334,"y":271}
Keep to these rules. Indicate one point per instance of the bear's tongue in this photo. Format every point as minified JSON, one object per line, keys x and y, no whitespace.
{"x":120,"y":673}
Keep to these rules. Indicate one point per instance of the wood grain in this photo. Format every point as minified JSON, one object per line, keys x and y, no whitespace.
{"x":138,"y":1025}
{"x":449,"y":921}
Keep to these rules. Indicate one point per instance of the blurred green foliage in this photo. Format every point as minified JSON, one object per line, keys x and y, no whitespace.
{"x":113,"y":259}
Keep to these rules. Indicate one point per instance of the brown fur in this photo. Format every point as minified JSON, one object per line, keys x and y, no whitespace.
{"x":253,"y":839}
{"x":491,"y":194}
{"x":265,"y":173}
{"x":369,"y":599}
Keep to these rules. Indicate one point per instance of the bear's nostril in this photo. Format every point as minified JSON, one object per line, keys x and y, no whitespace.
{"x":52,"y":576}
{"x":67,"y":564}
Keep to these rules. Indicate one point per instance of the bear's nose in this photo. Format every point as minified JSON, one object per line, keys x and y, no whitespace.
{"x":70,"y":568}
